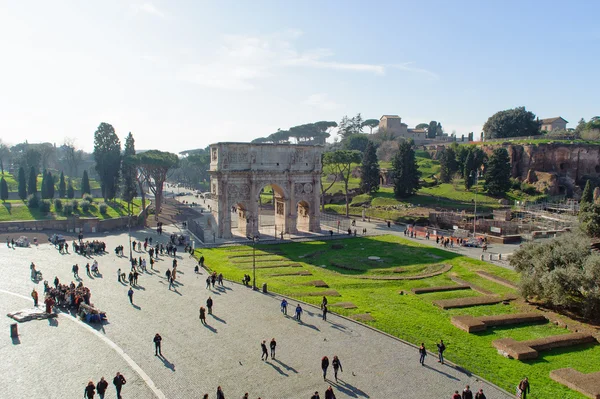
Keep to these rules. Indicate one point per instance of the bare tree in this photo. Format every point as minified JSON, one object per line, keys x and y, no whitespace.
{"x":73,"y":156}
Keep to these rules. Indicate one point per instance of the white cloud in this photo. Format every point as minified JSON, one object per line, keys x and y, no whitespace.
{"x":321,"y":101}
{"x":242,"y":60}
{"x":149,"y":8}
{"x":408,"y":66}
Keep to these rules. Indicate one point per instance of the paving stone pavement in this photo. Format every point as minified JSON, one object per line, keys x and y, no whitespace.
{"x":56,"y":358}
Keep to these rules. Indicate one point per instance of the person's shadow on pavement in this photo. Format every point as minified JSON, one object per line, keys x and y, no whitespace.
{"x":168,"y":364}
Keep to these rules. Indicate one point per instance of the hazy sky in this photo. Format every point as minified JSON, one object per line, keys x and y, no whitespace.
{"x":183,"y":74}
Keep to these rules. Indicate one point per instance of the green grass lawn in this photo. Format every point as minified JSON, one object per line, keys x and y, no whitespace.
{"x":413,"y":317}
{"x":17,"y":210}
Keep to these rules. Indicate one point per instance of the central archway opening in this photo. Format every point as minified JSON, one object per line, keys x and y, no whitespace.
{"x":272,"y":209}
{"x":303,"y":218}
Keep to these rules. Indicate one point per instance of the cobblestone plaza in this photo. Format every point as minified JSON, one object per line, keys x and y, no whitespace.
{"x":56,"y":358}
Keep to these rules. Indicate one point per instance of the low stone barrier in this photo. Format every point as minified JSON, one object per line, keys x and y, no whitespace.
{"x":524,"y":350}
{"x":470,"y":301}
{"x":441,"y":288}
{"x":587,"y":384}
{"x":497,"y":279}
{"x":472,"y":324}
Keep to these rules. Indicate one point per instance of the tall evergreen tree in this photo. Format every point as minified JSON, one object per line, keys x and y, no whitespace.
{"x":469,"y":171}
{"x":129,"y":171}
{"x":70,"y":190}
{"x":369,"y":177}
{"x":497,"y":174}
{"x":32,"y":183}
{"x":107,"y":154}
{"x":587,"y":197}
{"x":50,"y":185}
{"x":44,"y":186}
{"x":62,"y":186}
{"x":85,"y":183}
{"x":406,"y":172}
{"x":22,"y":184}
{"x":3,"y":189}
{"x":448,"y":165}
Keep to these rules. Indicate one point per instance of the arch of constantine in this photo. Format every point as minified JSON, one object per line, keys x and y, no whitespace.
{"x":240,"y":171}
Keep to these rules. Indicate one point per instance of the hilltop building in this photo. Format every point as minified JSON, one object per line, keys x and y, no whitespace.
{"x":556,"y":123}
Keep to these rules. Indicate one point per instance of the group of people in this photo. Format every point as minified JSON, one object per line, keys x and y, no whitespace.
{"x":214,"y":278}
{"x":468,"y":394}
{"x":70,"y":296}
{"x":89,"y":247}
{"x":101,"y":386}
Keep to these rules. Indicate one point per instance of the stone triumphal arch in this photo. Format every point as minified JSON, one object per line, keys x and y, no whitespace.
{"x":240,"y":171}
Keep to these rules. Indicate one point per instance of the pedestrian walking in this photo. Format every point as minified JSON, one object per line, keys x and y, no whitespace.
{"x":441,"y":348}
{"x":315,"y":396}
{"x":466,"y":393}
{"x":135,"y":277}
{"x":209,"y":305}
{"x":422,"y":353}
{"x":90,"y":391}
{"x":157,"y":340}
{"x":118,"y":382}
{"x":284,"y":306}
{"x":75,"y":270}
{"x":56,"y":281}
{"x":101,"y":387}
{"x":208,"y":282}
{"x":87,"y":269}
{"x":265,"y":354}
{"x":329,"y":393}
{"x":273,"y":344}
{"x":325,"y":366}
{"x":298,"y":312}
{"x":130,"y":295}
{"x":34,"y":295}
{"x":456,"y":395}
{"x":336,"y":365}
{"x":220,"y":394}
{"x":119,"y":274}
{"x":480,"y":395}
{"x":325,"y":312}
{"x":202,"y":315}
{"x":220,"y":279}
{"x":523,"y":388}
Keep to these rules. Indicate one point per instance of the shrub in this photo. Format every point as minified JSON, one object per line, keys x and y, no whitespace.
{"x":33,"y":201}
{"x":85,"y":206}
{"x":88,"y":198}
{"x":58,"y":205}
{"x":528,"y":189}
{"x":75,"y":205}
{"x":67,"y":209}
{"x":103,"y":208}
{"x":515,"y":184}
{"x":45,"y":206}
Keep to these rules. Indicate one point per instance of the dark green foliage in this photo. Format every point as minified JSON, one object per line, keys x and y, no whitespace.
{"x":432,"y":130}
{"x":497,"y":174}
{"x":370,"y":123}
{"x":75,"y":205}
{"x":469,"y":172}
{"x":67,"y":209}
{"x":405,"y":170}
{"x":32,"y":183}
{"x":3,"y":190}
{"x":45,"y":206}
{"x":587,"y":197}
{"x":85,"y":206}
{"x":128,"y":171}
{"x":49,"y":185}
{"x":103,"y":208}
{"x":22,"y":184}
{"x":44,"y":186}
{"x":350,"y":126}
{"x":448,"y":165}
{"x":526,"y":188}
{"x":562,"y":272}
{"x":154,"y":166}
{"x":62,"y":186}
{"x":70,"y":190}
{"x":589,"y":217}
{"x":516,"y":122}
{"x":88,"y":198}
{"x":369,"y":176}
{"x":58,"y":205}
{"x":107,"y":154}
{"x":33,"y":201}
{"x":357,"y":141}
{"x":85,"y":183}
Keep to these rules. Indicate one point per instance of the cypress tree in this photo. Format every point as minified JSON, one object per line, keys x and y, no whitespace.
{"x":468,"y":169}
{"x":497,"y":173}
{"x":70,"y":190}
{"x":587,"y":197}
{"x":32,"y":183}
{"x":448,"y":165}
{"x":22,"y":184}
{"x":369,"y":177}
{"x":62,"y":186}
{"x":3,"y":190}
{"x":406,"y":172}
{"x":44,"y":187}
{"x":50,"y":186}
{"x":85,"y":184}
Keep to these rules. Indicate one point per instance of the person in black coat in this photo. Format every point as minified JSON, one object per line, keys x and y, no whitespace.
{"x":101,"y":387}
{"x":329,"y":393}
{"x":118,"y":382}
{"x":315,"y":396}
{"x":90,"y":391}
{"x":324,"y":366}
{"x":220,"y":394}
